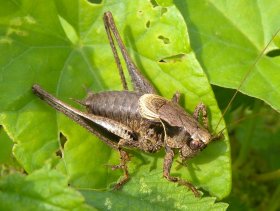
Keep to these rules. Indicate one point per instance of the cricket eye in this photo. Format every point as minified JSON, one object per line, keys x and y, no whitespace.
{"x":196,"y":144}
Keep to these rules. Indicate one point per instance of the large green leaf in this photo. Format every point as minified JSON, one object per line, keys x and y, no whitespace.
{"x":44,"y":189}
{"x":64,"y":48}
{"x":6,"y":147}
{"x":148,"y":191}
{"x":228,"y":36}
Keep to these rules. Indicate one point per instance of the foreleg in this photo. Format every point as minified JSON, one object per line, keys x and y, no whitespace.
{"x":201,"y":108}
{"x":124,"y":158}
{"x":176,"y":97}
{"x":168,"y":160}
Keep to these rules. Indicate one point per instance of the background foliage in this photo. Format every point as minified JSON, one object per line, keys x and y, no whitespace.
{"x":63,"y":47}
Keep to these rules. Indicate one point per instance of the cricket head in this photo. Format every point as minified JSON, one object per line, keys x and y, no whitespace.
{"x":182,"y":130}
{"x":196,"y":142}
{"x":200,"y":138}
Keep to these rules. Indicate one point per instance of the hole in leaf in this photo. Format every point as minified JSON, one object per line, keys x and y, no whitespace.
{"x":148,"y":24}
{"x":164,"y":39}
{"x":95,"y":1}
{"x":273,"y":53}
{"x":62,"y":140}
{"x":174,"y":58}
{"x":58,"y":153}
{"x":163,"y":10}
{"x":154,"y":3}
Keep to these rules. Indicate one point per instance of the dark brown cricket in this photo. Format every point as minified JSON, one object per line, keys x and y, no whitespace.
{"x":139,"y":119}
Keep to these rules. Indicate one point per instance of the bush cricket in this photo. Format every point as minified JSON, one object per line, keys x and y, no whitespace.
{"x":139,"y":119}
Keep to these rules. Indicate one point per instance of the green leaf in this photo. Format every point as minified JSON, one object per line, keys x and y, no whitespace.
{"x":148,"y":191}
{"x":255,"y":164}
{"x":6,"y":147}
{"x":265,"y":138}
{"x":8,"y":164}
{"x":44,"y":189}
{"x":228,"y":36}
{"x":70,"y":51}
{"x":164,"y":3}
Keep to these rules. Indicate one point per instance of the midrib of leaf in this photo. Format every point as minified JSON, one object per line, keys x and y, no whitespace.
{"x":62,"y":72}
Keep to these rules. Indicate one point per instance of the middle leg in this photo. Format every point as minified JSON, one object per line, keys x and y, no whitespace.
{"x":124,"y":158}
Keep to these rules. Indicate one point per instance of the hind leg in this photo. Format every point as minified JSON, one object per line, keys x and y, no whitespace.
{"x":140,"y":83}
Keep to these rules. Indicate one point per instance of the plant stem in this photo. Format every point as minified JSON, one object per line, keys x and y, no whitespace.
{"x":274,"y":204}
{"x":267,"y":176}
{"x":248,"y":136}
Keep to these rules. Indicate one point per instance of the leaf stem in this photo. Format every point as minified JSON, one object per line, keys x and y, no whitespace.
{"x":273,"y":175}
{"x":274,"y":204}
{"x":248,"y":136}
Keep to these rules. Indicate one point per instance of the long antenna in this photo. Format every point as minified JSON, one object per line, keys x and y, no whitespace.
{"x":245,"y":77}
{"x":241,"y":120}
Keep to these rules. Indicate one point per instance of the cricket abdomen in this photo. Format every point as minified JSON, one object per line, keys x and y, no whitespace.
{"x":121,"y":106}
